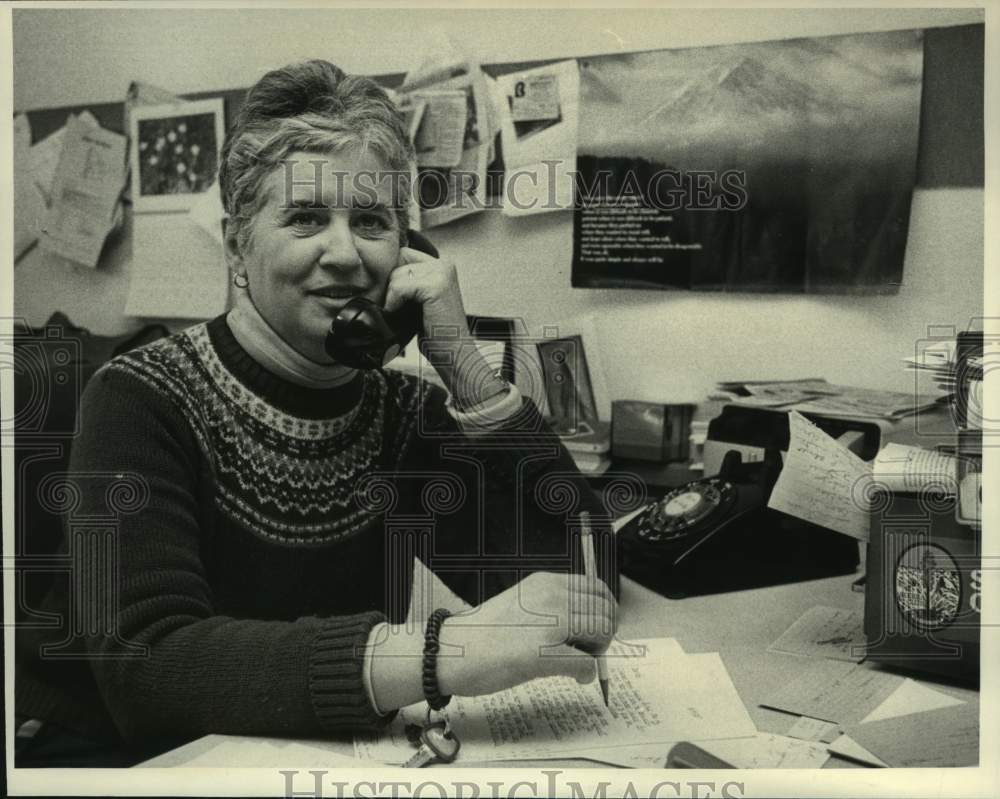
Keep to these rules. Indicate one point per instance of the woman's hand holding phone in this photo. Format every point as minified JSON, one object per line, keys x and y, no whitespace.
{"x":445,"y":340}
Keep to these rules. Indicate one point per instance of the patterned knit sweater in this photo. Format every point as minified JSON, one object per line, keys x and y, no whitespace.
{"x":261,"y":529}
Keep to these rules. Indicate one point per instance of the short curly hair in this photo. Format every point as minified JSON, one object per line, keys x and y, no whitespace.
{"x":312,"y":106}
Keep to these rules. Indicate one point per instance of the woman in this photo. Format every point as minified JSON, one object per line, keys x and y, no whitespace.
{"x":264,"y":572}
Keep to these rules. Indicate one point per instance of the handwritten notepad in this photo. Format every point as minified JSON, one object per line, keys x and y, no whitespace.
{"x":659,"y":695}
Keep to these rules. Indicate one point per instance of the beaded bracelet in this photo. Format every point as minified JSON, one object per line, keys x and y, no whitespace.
{"x":432,"y":691}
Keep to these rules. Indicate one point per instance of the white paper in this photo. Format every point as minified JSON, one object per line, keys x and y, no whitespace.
{"x":830,"y":690}
{"x":822,"y":482}
{"x":845,"y":746}
{"x":825,"y":632}
{"x":243,"y":751}
{"x":207,"y":212}
{"x":911,"y":697}
{"x":810,"y":729}
{"x":88,"y":183}
{"x":767,"y":750}
{"x":441,"y":131}
{"x":905,"y":468}
{"x":539,"y":147}
{"x":558,"y":716}
{"x":462,"y":188}
{"x":177,"y":272}
{"x":29,"y":204}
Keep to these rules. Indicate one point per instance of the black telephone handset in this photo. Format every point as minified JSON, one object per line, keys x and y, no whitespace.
{"x":364,"y":336}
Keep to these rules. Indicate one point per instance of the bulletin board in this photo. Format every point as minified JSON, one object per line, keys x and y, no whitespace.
{"x":949,"y":151}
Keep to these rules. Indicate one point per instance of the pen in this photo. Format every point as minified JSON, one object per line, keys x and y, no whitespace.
{"x":590,"y":570}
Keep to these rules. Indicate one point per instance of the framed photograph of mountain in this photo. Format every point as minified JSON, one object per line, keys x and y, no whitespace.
{"x":772,"y":166}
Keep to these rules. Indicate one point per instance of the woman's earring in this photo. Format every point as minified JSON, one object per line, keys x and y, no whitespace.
{"x":240,"y":280}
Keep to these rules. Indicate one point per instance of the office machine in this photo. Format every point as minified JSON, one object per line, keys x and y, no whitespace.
{"x":717,"y":534}
{"x":923,"y":587}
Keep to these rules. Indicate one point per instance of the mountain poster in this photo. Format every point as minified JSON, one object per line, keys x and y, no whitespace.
{"x":773,"y":166}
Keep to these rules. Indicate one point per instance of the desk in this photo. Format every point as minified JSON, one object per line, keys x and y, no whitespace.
{"x":739,"y":625}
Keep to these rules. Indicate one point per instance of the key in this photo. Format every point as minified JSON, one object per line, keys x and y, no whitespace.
{"x":437,"y":743}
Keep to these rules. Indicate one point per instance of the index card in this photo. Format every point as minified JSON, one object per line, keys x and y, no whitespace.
{"x":825,"y":632}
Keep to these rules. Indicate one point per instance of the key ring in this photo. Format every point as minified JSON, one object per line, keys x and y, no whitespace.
{"x":427,"y":719}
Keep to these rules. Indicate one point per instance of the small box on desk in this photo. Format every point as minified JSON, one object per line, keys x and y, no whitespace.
{"x":649,"y":431}
{"x":923,"y":592}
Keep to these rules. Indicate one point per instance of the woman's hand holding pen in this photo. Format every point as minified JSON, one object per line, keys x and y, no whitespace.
{"x":548,"y":624}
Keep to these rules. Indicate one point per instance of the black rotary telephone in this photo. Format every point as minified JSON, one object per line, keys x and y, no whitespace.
{"x":717,"y":534}
{"x":364,"y":336}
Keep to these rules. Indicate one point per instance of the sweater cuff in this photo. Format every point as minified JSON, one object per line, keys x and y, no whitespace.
{"x":336,"y":675}
{"x":488,"y":416}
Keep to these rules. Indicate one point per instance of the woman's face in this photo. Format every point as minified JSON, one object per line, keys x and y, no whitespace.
{"x":326,"y":233}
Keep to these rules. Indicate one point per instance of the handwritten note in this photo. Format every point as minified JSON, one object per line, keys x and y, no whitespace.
{"x":825,"y":632}
{"x":904,"y":468}
{"x":807,"y":729}
{"x":822,"y":481}
{"x":830,"y":690}
{"x":659,"y":695}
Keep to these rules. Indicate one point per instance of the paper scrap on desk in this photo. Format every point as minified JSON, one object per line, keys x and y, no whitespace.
{"x":29,"y":204}
{"x":177,"y":273}
{"x":88,"y":183}
{"x":822,"y":481}
{"x":904,"y":468}
{"x":945,"y":737}
{"x":846,"y":746}
{"x":809,"y":729}
{"x":539,"y":113}
{"x":557,"y":717}
{"x":825,"y":632}
{"x":832,"y":690}
{"x":911,"y":697}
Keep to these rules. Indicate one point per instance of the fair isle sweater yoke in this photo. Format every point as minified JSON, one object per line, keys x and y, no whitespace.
{"x":254,"y":569}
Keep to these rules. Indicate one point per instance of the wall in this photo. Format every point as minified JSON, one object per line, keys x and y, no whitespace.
{"x":669,"y":346}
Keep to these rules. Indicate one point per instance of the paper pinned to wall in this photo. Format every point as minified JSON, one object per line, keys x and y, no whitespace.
{"x":207,"y":212}
{"x":29,"y":204}
{"x":88,"y":183}
{"x":539,"y":111}
{"x":177,"y":273}
{"x":822,"y":481}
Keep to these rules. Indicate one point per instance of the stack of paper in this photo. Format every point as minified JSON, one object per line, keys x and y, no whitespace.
{"x":816,"y":396}
{"x":557,"y":717}
{"x":876,"y":710}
